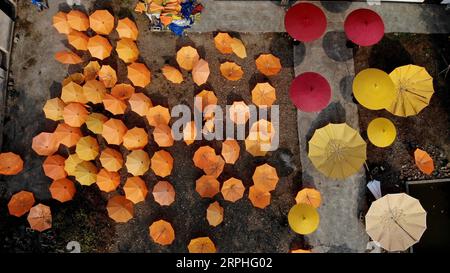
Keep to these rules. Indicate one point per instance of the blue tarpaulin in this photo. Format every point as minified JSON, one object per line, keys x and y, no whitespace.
{"x":178,"y":30}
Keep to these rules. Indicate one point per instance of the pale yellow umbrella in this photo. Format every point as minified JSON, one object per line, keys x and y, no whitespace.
{"x":187,"y":57}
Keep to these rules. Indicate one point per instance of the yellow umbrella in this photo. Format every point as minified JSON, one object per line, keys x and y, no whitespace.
{"x":94,"y":122}
{"x":90,"y":71}
{"x":187,"y":57}
{"x":396,"y":221}
{"x":77,"y":78}
{"x":102,"y":22}
{"x":238,"y":48}
{"x":337,"y":150}
{"x":381,"y":132}
{"x":87,"y":148}
{"x":71,"y":163}
{"x":303,"y":218}
{"x":99,"y":47}
{"x":374,"y":89}
{"x":127,"y":50}
{"x":108,"y":76}
{"x":73,"y":92}
{"x":413,"y":90}
{"x":86,"y":173}
{"x":127,"y":29}
{"x":94,"y":91}
{"x":53,"y":109}
{"x":137,"y":162}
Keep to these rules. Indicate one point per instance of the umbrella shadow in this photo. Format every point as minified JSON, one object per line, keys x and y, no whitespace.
{"x":184,"y":41}
{"x":64,"y":7}
{"x":345,"y":86}
{"x":281,"y":47}
{"x":232,"y":97}
{"x":335,"y":46}
{"x":102,"y":4}
{"x":158,"y":99}
{"x":336,"y":6}
{"x":299,"y":53}
{"x":282,"y":160}
{"x":257,"y":78}
{"x":389,"y":54}
{"x":55,"y":89}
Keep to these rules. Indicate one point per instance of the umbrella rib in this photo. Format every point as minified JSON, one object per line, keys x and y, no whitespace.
{"x":398,"y":224}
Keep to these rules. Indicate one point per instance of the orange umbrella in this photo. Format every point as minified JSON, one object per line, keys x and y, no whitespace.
{"x":99,"y":47}
{"x":255,"y":145}
{"x":172,"y":74}
{"x":114,"y":105}
{"x":140,"y":103}
{"x":10,"y":164}
{"x":139,"y":74}
{"x":265,"y":177}
{"x":203,"y":156}
{"x":238,"y":48}
{"x":53,"y":109}
{"x":127,"y":29}
{"x":113,"y":131}
{"x":214,"y":214}
{"x":201,"y":245}
{"x":90,"y":71}
{"x":223,"y":42}
{"x":300,"y":251}
{"x":78,"y":78}
{"x":163,"y":136}
{"x":111,"y":159}
{"x":189,"y":133}
{"x":75,"y":114}
{"x":231,"y":71}
{"x":163,"y":193}
{"x":263,"y":94}
{"x":44,"y":144}
{"x":120,"y":209}
{"x":71,"y":163}
{"x":137,"y":162}
{"x":158,"y":115}
{"x":122,"y":91}
{"x":162,"y":232}
{"x":62,"y":190}
{"x":239,"y":112}
{"x":209,"y":124}
{"x":230,"y":150}
{"x":206,"y":98}
{"x":94,"y":123}
{"x":67,"y":135}
{"x":20,"y":203}
{"x":232,"y":189}
{"x":215,"y":166}
{"x":107,"y":181}
{"x":424,"y":161}
{"x":102,"y":22}
{"x":73,"y":92}
{"x":187,"y":57}
{"x":135,"y":189}
{"x":67,"y":57}
{"x":54,"y":167}
{"x":162,"y":163}
{"x":127,"y":50}
{"x":140,"y":7}
{"x":94,"y":91}
{"x":40,"y":217}
{"x":264,"y":129}
{"x":108,"y":76}
{"x":78,"y":40}
{"x":268,"y":64}
{"x":258,"y":197}
{"x":60,"y":23}
{"x":165,"y":19}
{"x":87,"y":148}
{"x":309,"y":196}
{"x":135,"y":138}
{"x":207,"y":186}
{"x":200,"y":72}
{"x":78,"y":20}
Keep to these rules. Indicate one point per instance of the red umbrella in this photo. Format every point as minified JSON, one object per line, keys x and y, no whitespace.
{"x":364,"y":27}
{"x":310,"y":92}
{"x":305,"y":22}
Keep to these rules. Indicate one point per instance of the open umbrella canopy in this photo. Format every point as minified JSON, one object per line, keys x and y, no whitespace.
{"x":203,"y":156}
{"x":163,"y":135}
{"x":163,"y":193}
{"x":114,"y":105}
{"x":107,"y":181}
{"x":78,"y":20}
{"x":256,"y":145}
{"x":101,"y":21}
{"x":140,"y":103}
{"x":44,"y":144}
{"x":108,"y":76}
{"x":111,"y":159}
{"x":10,"y":163}
{"x":239,"y":112}
{"x":137,"y":162}
{"x":158,"y":115}
{"x":135,"y":138}
{"x":122,"y":91}
{"x":71,"y":163}
{"x":53,"y":109}
{"x":268,"y":64}
{"x":265,"y":177}
{"x":374,"y":89}
{"x":264,"y":129}
{"x":99,"y":47}
{"x":396,"y":221}
{"x":207,"y":186}
{"x":20,"y":203}
{"x":172,"y":74}
{"x":201,"y":245}
{"x":90,"y":71}
{"x":75,"y":114}
{"x":62,"y":190}
{"x":189,"y":132}
{"x":53,"y":167}
{"x":414,"y":88}
{"x":364,"y":27}
{"x":78,"y":40}
{"x":223,"y":42}
{"x":187,"y":57}
{"x":337,"y":150}
{"x":310,"y":92}
{"x":40,"y":217}
{"x":73,"y":92}
{"x":67,"y":135}
{"x":87,"y":148}
{"x":139,"y":74}
{"x":381,"y":132}
{"x":233,"y":189}
{"x":162,"y":163}
{"x":263,"y":94}
{"x":300,"y":251}
{"x":215,"y":166}
{"x":86,"y":173}
{"x":258,"y":197}
{"x":230,"y":151}
{"x":94,"y":91}
{"x":120,"y":209}
{"x":77,"y":78}
{"x":231,"y":71}
{"x":305,"y":22}
{"x":127,"y":50}
{"x":214,"y":214}
{"x":424,"y":161}
{"x":238,"y":48}
{"x":60,"y":23}
{"x":67,"y":57}
{"x":309,"y":196}
{"x":303,"y":219}
{"x":162,"y":232}
{"x":206,"y":98}
{"x":135,"y":189}
{"x":200,"y":72}
{"x":126,"y":28}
